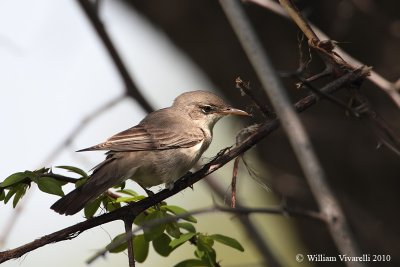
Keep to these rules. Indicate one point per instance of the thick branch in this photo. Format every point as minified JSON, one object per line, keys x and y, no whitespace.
{"x":188,"y":180}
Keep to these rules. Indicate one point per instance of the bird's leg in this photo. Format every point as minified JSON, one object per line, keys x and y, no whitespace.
{"x":150,"y":194}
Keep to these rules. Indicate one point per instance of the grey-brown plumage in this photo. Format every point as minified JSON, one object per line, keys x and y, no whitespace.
{"x":160,"y":149}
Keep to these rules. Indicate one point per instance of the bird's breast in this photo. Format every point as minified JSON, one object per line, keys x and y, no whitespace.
{"x":166,"y":166}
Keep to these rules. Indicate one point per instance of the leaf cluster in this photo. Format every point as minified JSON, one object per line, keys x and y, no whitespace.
{"x":167,"y":234}
{"x":15,"y":186}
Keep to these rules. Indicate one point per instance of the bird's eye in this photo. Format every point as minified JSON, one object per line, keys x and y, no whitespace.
{"x":206,"y":109}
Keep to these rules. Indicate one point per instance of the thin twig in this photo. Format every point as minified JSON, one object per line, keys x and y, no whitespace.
{"x":296,"y":16}
{"x":246,"y":89}
{"x":327,"y":202}
{"x":233,"y":183}
{"x":129,"y":234}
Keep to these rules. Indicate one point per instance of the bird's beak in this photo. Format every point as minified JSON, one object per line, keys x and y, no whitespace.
{"x":233,"y":111}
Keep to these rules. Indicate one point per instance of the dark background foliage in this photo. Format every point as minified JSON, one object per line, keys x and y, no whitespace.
{"x":365,"y":179}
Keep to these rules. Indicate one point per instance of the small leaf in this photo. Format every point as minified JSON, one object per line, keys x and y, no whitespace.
{"x":140,"y":248}
{"x":92,"y":207}
{"x":118,"y":244}
{"x":188,"y":227}
{"x":13,"y":179}
{"x":10,"y":193}
{"x":129,"y":199}
{"x":228,"y":241}
{"x":191,"y":263}
{"x":154,"y":231}
{"x":161,"y":245}
{"x":199,"y":253}
{"x":2,"y":194}
{"x":182,"y":239}
{"x":109,"y":204}
{"x":50,"y":185}
{"x":210,"y":257}
{"x":178,"y":211}
{"x":19,"y":194}
{"x":173,"y":229}
{"x":140,"y":219}
{"x":128,"y":192}
{"x":74,"y":170}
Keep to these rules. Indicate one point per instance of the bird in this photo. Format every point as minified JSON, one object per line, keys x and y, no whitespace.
{"x":163,"y":147}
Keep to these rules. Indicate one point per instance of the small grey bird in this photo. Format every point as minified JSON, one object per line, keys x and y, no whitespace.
{"x":164,"y":146}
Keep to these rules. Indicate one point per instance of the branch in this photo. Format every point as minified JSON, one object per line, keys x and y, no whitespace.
{"x":131,"y":88}
{"x":391,"y":89}
{"x":128,"y":232}
{"x":183,"y":183}
{"x":327,"y":202}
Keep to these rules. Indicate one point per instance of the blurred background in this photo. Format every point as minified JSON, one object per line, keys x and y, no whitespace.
{"x":56,"y":72}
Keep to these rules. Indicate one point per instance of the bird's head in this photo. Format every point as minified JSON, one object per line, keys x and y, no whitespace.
{"x":204,"y":107}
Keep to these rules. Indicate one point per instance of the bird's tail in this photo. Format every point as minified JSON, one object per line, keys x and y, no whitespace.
{"x":104,"y":176}
{"x":74,"y":201}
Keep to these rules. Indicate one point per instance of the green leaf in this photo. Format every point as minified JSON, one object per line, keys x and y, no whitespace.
{"x":50,"y":185}
{"x":161,"y":245}
{"x":9,"y":195}
{"x":191,"y":263}
{"x":74,"y":170}
{"x":13,"y":179}
{"x":182,"y":239}
{"x":173,"y":229}
{"x":118,"y":244}
{"x":129,"y":199}
{"x":109,"y":204}
{"x":140,"y":219}
{"x":178,"y":211}
{"x":228,"y":241}
{"x":199,"y":253}
{"x":140,"y":248}
{"x":188,"y":227}
{"x":154,"y":231}
{"x":2,"y":194}
{"x":92,"y":207}
{"x":19,"y":194}
{"x":210,"y":257}
{"x":128,"y":192}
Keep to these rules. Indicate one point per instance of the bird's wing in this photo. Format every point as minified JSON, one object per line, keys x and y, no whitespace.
{"x":151,"y":136}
